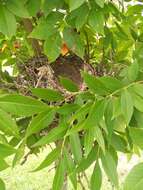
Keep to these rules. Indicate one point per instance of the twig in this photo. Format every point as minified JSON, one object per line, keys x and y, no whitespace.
{"x":26,"y":157}
{"x":88,"y":49}
{"x":80,"y":182}
{"x":86,"y":178}
{"x":52,"y":168}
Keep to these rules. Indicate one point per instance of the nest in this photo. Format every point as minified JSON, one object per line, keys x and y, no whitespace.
{"x":37,"y":72}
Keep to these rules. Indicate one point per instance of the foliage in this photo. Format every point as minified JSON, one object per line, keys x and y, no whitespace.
{"x":91,"y":121}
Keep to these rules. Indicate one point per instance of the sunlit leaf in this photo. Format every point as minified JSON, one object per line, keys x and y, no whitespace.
{"x":21,"y":105}
{"x":52,"y":156}
{"x":134,"y":180}
{"x":126,"y":105}
{"x":59,"y":176}
{"x":96,"y":178}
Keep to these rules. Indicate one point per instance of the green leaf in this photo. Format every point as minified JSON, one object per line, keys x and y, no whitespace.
{"x":82,"y":16}
{"x":138,"y":102}
{"x":52,"y":47}
{"x":49,"y":5}
{"x":6,"y":150}
{"x":74,"y":4}
{"x":2,"y":185}
{"x":96,"y":20}
{"x":121,"y":32}
{"x":17,"y":7}
{"x":127,"y":105}
{"x":41,"y":121}
{"x":40,"y":31}
{"x":33,"y":7}
{"x":67,"y":109}
{"x":138,"y":89}
{"x":119,"y":143}
{"x":54,"y":135}
{"x":134,"y":180}
{"x":93,"y":118}
{"x":95,"y":115}
{"x":133,"y":71}
{"x":139,"y":118}
{"x":81,"y":113}
{"x":116,"y":107}
{"x":3,"y":164}
{"x":59,"y":176}
{"x":74,"y":42}
{"x":109,"y":122}
{"x":70,"y":165}
{"x":68,"y":84}
{"x":94,"y":84}
{"x":99,"y":138}
{"x":88,"y":140}
{"x":76,"y":147}
{"x":87,"y":161}
{"x":136,"y":136}
{"x":47,"y":94}
{"x":19,"y":154}
{"x":7,"y":124}
{"x":111,"y":83}
{"x":7,"y":22}
{"x":52,"y":157}
{"x":100,"y":3}
{"x":109,"y":166}
{"x":96,"y":178}
{"x":21,"y":105}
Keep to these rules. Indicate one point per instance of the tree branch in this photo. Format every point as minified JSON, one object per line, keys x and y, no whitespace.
{"x":35,"y":45}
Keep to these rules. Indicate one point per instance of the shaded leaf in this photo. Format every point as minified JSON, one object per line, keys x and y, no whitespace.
{"x":68,"y":84}
{"x":47,"y":94}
